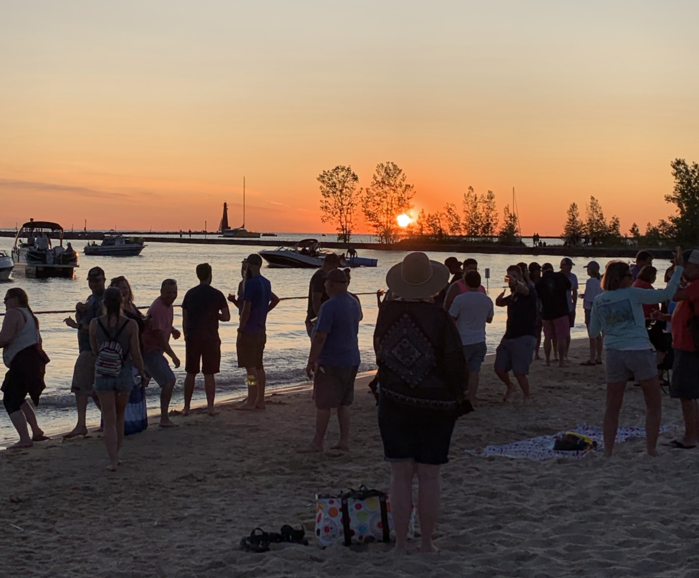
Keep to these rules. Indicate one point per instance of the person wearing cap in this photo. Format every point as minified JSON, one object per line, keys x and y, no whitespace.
{"x":618,"y":315}
{"x":516,"y":348}
{"x":685,"y":370}
{"x":455,"y":268}
{"x":257,"y":301}
{"x":202,"y":309}
{"x":552,"y":291}
{"x":422,"y":378}
{"x":643,"y":259}
{"x":334,"y":360}
{"x":84,"y":371}
{"x":459,"y":286}
{"x":156,"y":343}
{"x":593,"y":287}
{"x":317,"y":294}
{"x":572,"y":294}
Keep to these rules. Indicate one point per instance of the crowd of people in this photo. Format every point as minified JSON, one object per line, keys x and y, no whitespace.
{"x":429,"y":341}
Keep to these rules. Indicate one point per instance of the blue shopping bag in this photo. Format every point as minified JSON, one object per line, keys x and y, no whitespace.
{"x":136,"y":414}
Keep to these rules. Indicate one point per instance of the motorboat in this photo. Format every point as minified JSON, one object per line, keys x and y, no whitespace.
{"x":115,"y":245}
{"x":308,"y":254}
{"x":6,"y":265}
{"x":37,"y":255}
{"x":238,"y":232}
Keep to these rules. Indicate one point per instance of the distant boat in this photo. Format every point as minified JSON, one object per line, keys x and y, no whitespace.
{"x":34,"y":256}
{"x":6,"y":265}
{"x":238,"y":232}
{"x":116,"y":246}
{"x":307,"y":254}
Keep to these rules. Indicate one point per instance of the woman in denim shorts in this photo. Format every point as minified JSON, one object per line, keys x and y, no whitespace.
{"x":618,"y":315}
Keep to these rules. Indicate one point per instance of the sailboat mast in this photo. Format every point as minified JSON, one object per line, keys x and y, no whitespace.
{"x":243,"y":202}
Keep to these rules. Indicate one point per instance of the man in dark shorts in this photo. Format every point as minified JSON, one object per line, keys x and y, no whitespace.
{"x":552,"y":290}
{"x":334,"y":360}
{"x":567,"y":269}
{"x":516,"y":349}
{"x":685,"y":370}
{"x":84,"y":371}
{"x":257,"y":300}
{"x":202,"y":308}
{"x":316,"y":290}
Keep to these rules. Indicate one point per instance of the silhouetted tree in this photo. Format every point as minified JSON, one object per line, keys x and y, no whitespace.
{"x":387,"y":197}
{"x":488,"y":214}
{"x":452,"y":219}
{"x":574,"y":226}
{"x":685,"y":196}
{"x":472,"y":223}
{"x":510,"y":226}
{"x":340,"y":199}
{"x":596,"y":225}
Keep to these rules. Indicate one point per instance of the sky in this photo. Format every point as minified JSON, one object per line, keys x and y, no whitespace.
{"x":147,"y":115}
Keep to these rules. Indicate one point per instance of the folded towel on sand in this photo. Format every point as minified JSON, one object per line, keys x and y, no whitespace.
{"x":541,"y":448}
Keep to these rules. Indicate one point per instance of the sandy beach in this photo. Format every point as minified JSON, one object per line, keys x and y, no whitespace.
{"x":185,"y":497}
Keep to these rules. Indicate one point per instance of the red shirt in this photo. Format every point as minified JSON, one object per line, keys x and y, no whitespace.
{"x":647,"y":308}
{"x":681,"y":338}
{"x":160,"y":318}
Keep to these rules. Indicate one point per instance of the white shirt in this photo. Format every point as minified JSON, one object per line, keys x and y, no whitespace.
{"x":593,"y":287}
{"x":472,"y":310}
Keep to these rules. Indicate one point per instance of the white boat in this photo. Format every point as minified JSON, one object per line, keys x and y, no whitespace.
{"x":6,"y":265}
{"x":115,"y":245}
{"x":307,"y":254}
{"x":36,"y":255}
{"x":238,"y":232}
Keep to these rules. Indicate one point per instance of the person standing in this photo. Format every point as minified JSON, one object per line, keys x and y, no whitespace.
{"x":471,"y":311}
{"x":643,"y":259}
{"x":257,"y":301}
{"x":202,"y":309}
{"x":156,"y":343}
{"x":552,"y":290}
{"x":534,"y":276}
{"x":593,"y":287}
{"x":26,"y":362}
{"x":334,"y":360}
{"x":422,"y":387}
{"x":317,"y":294}
{"x":115,"y":342}
{"x":84,"y":371}
{"x":685,"y":370}
{"x":457,"y":274}
{"x":572,"y":294}
{"x":618,"y":315}
{"x":516,"y":348}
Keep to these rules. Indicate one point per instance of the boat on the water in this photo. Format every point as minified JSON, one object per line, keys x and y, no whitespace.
{"x":6,"y":265}
{"x":115,"y":245}
{"x":239,"y":232}
{"x":37,"y":255}
{"x":308,"y":254}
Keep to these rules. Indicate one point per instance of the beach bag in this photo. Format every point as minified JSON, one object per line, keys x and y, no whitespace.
{"x":110,"y":357}
{"x":136,"y":413}
{"x":573,"y":442}
{"x":358,"y":517}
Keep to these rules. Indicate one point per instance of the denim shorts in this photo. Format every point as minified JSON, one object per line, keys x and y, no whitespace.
{"x":475,"y":355}
{"x":515,"y":354}
{"x":623,"y":365}
{"x":158,"y":368}
{"x":122,"y":384}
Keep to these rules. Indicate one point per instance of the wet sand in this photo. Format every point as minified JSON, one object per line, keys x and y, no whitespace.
{"x":185,"y":497}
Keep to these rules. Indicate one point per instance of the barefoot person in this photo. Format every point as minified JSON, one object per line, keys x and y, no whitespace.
{"x":156,"y":343}
{"x":593,"y":287}
{"x":516,"y":348}
{"x":552,"y":290}
{"x":84,"y":371}
{"x":202,"y":308}
{"x":334,"y":360}
{"x":114,"y":341}
{"x":618,"y":315}
{"x":422,"y":383}
{"x":317,"y":294}
{"x":257,"y":301}
{"x":567,"y":269}
{"x":22,"y":354}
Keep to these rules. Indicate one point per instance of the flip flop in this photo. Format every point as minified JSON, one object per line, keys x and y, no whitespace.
{"x":289,"y":534}
{"x":257,"y":541}
{"x":680,"y":446}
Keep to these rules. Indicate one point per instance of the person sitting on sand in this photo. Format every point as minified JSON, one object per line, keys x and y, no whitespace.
{"x":334,"y":360}
{"x":316,"y":290}
{"x":552,"y":290}
{"x":618,"y":315}
{"x":422,"y":383}
{"x":156,"y":343}
{"x":593,"y":287}
{"x":257,"y":301}
{"x":202,"y":309}
{"x":112,"y":335}
{"x":516,"y":348}
{"x":20,"y":341}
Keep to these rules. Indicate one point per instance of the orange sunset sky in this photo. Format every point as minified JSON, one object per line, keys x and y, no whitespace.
{"x":147,"y":114}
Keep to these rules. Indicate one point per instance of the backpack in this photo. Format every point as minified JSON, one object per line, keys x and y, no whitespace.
{"x":111,"y":356}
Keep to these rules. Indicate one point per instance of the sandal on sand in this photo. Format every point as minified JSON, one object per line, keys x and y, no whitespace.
{"x":293,"y":536}
{"x":257,"y":541}
{"x":680,"y":446}
{"x":588,"y":363}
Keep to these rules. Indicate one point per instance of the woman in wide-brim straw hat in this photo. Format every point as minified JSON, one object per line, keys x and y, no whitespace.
{"x":422,"y":381}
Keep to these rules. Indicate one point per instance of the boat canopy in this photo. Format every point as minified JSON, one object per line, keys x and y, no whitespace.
{"x":307,"y":243}
{"x":42,"y":225}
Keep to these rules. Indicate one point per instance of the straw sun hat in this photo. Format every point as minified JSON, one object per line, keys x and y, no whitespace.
{"x":417,"y":277}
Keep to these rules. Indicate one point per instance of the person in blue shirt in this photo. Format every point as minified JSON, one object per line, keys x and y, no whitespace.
{"x":334,"y":359}
{"x":257,"y":301}
{"x":618,"y":315}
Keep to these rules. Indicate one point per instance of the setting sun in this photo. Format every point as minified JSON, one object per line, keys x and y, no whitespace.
{"x":403,"y":220}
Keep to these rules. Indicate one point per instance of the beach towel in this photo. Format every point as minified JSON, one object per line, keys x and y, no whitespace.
{"x":136,"y":414}
{"x":541,"y":448}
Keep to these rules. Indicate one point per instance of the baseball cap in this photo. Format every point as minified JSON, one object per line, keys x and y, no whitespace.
{"x":452,"y":262}
{"x":567,"y":261}
{"x":337,"y":276}
{"x":95,"y":272}
{"x":254,"y":259}
{"x":691,"y":256}
{"x":594,"y":265}
{"x":534,"y":266}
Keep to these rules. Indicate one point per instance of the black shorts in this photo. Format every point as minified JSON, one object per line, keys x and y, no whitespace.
{"x":417,"y":434}
{"x":685,"y":375}
{"x":251,"y":348}
{"x":206,"y":351}
{"x":25,"y":377}
{"x":334,"y":386}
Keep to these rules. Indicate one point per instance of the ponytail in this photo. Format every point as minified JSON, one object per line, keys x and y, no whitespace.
{"x":113,"y":303}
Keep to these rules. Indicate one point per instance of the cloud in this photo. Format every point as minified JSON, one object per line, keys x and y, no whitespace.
{"x":15,"y":185}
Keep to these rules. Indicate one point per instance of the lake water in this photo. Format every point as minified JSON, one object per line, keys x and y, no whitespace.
{"x":287,"y":342}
